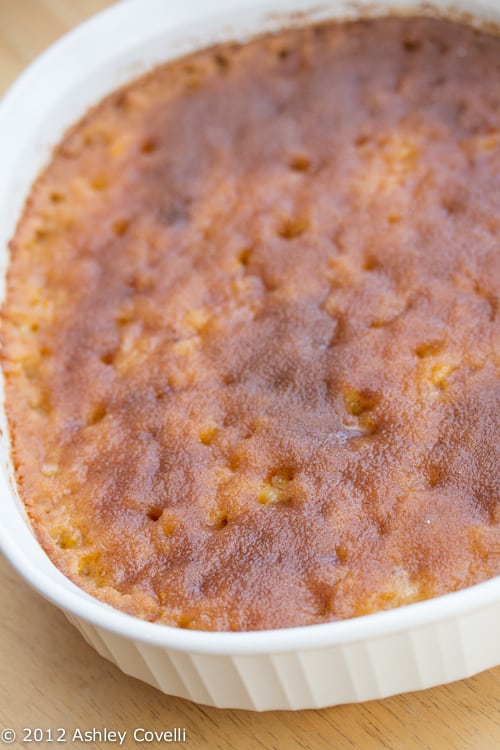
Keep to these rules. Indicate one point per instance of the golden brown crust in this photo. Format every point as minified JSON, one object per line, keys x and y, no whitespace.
{"x":251,"y":337}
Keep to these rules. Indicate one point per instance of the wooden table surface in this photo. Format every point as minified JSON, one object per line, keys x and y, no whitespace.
{"x":50,"y":678}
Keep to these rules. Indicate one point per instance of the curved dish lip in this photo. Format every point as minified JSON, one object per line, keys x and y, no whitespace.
{"x":66,"y":595}
{"x":304,"y":638}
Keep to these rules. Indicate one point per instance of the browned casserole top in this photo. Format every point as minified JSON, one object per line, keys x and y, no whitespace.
{"x":251,"y":337}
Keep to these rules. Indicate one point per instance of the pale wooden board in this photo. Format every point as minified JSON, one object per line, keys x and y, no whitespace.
{"x":49,"y":677}
{"x":27,"y":27}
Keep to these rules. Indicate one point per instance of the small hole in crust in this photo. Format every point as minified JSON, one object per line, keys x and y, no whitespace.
{"x":283,"y":53}
{"x":154,"y":514}
{"x":41,"y":235}
{"x":208,"y":434}
{"x":358,"y":402}
{"x":68,"y":538}
{"x":91,"y":566}
{"x":383,"y":526}
{"x":96,"y":414}
{"x":323,"y":603}
{"x":120,"y":227}
{"x":148,"y":146}
{"x":276,"y":488}
{"x":121,"y":100}
{"x":435,"y":475}
{"x":341,"y":553}
{"x":440,"y":374}
{"x":244,"y":256}
{"x":292,"y":228}
{"x":320,"y":30}
{"x":284,"y":474}
{"x":56,"y":197}
{"x":454,"y":206}
{"x":193,"y":75}
{"x":168,"y":525}
{"x":125,"y":316}
{"x":361,"y":141}
{"x":269,"y":283}
{"x":300,"y":163}
{"x":41,"y":403}
{"x":411,"y":45}
{"x":371,"y":263}
{"x":429,"y":349}
{"x":222,"y":62}
{"x":100,"y":182}
{"x":108,"y":358}
{"x":220,"y":522}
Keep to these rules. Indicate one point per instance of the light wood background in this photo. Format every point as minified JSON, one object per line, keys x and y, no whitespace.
{"x":50,"y":678}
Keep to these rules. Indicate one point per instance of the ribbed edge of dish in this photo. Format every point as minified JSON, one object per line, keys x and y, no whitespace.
{"x":342,"y":673}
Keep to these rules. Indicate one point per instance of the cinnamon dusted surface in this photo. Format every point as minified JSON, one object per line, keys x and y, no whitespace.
{"x":251,"y":331}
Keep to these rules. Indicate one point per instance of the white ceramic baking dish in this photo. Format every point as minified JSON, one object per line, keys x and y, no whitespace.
{"x":409,"y":648}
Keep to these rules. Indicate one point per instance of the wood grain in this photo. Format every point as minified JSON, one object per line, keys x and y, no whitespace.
{"x":50,"y":678}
